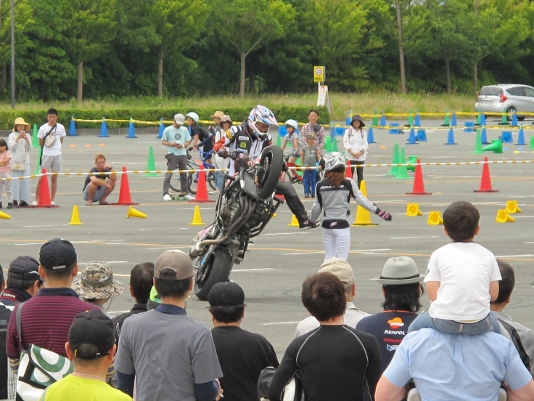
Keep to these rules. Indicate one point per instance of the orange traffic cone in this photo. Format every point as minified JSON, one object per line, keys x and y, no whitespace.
{"x":485,"y":182}
{"x":418,"y":182}
{"x":202,"y":189}
{"x":124,"y":195}
{"x":348,"y":170}
{"x":44,"y":192}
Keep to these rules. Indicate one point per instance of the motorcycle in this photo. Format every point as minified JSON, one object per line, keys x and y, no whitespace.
{"x":243,"y":209}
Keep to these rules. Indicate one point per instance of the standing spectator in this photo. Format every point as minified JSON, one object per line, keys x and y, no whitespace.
{"x":310,"y":155}
{"x":401,"y":287}
{"x":343,"y":271}
{"x":242,"y":354}
{"x":5,"y":173}
{"x":91,"y":347}
{"x":46,"y":318}
{"x":355,"y":143}
{"x":7,"y":377}
{"x":521,"y":336}
{"x":23,"y":281}
{"x":176,"y":137}
{"x":167,"y":354}
{"x":312,"y":127}
{"x":96,"y":284}
{"x":50,"y":139}
{"x":333,"y":195}
{"x":221,"y":162}
{"x":141,"y":280}
{"x":334,"y":361}
{"x":99,"y":185}
{"x":20,"y":144}
{"x":202,"y":139}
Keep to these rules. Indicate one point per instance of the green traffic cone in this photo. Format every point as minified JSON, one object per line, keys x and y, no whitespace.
{"x":495,"y":147}
{"x":504,"y":118}
{"x":479,"y":118}
{"x":410,"y":165}
{"x":334,"y":144}
{"x":35,"y":140}
{"x":328,"y":144}
{"x":410,"y":119}
{"x":38,"y":164}
{"x":447,"y":119}
{"x":395,"y":168}
{"x":402,"y":171}
{"x":151,"y":164}
{"x":532,"y":143}
{"x":278,"y":140}
{"x":478,"y":143}
{"x":375,"y":119}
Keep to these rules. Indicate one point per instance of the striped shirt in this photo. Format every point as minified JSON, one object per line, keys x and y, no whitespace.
{"x":46,"y":320}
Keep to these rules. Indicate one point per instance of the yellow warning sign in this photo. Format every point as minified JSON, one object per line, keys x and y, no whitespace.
{"x":318,"y":73}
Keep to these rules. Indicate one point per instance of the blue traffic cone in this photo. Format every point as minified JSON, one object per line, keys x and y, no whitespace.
{"x":453,"y":119}
{"x":482,"y":119}
{"x":72,"y":127}
{"x":417,"y":122}
{"x":514,"y":120}
{"x":161,"y":129}
{"x":484,"y":136}
{"x":370,"y":135}
{"x":131,"y":130}
{"x":450,"y":138}
{"x":421,"y":135}
{"x":521,"y":137}
{"x":383,"y":119}
{"x":104,"y":129}
{"x":411,"y":138}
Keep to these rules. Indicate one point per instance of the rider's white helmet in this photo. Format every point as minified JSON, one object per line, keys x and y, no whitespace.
{"x":333,"y":161}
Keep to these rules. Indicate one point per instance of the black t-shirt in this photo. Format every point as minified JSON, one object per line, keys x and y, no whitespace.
{"x":100,"y":176}
{"x":389,"y":329}
{"x":5,"y":314}
{"x":242,"y":356}
{"x":333,"y":362}
{"x":202,"y":136}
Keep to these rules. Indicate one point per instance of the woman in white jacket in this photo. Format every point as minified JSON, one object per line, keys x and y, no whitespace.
{"x":355,"y":143}
{"x":20,"y":144}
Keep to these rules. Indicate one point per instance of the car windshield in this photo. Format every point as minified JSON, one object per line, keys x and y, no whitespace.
{"x":491,"y":91}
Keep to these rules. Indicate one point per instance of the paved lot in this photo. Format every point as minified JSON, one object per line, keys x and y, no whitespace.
{"x":283,"y":256}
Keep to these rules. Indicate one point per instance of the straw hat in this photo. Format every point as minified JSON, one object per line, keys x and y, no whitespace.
{"x":217,"y":114}
{"x":20,"y":121}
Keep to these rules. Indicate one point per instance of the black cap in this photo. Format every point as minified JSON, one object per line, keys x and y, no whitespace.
{"x":91,"y":328}
{"x":58,"y":253}
{"x":226,"y":294}
{"x":24,"y":268}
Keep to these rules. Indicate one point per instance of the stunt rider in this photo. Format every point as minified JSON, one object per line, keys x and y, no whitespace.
{"x":251,"y":137}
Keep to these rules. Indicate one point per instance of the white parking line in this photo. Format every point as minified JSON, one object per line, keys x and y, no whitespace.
{"x":428,"y":236}
{"x":514,"y":256}
{"x":275,"y":323}
{"x":252,"y":270}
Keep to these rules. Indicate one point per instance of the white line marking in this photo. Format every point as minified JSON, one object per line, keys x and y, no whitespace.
{"x":293,"y":233}
{"x":30,"y":243}
{"x":253,"y":270}
{"x":108,"y":261}
{"x":514,"y":256}
{"x":300,"y":253}
{"x":371,"y":250}
{"x":274,"y":323}
{"x":44,"y":225}
{"x":428,"y":236}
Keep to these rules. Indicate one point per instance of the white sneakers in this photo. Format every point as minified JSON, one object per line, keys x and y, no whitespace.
{"x":34,"y":203}
{"x":189,"y":197}
{"x":167,"y":197}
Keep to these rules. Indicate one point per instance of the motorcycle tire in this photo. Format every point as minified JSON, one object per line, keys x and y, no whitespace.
{"x":215,"y":270}
{"x":276,"y":161}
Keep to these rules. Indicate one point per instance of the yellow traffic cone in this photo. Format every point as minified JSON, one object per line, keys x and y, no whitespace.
{"x":294,"y":222}
{"x":4,"y":215}
{"x":511,"y":207}
{"x":135,"y":213}
{"x":412,"y":209}
{"x":197,"y":218}
{"x":75,"y":219}
{"x":504,"y":217}
{"x":363,"y":216}
{"x":434,"y":218}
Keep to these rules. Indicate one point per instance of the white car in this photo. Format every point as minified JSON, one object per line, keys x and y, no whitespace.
{"x":509,"y":98}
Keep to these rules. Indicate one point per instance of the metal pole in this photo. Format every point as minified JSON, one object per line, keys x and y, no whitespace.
{"x":12,"y":54}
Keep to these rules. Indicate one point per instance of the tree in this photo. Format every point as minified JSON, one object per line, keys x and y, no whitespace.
{"x":92,"y":26}
{"x":246,"y":25}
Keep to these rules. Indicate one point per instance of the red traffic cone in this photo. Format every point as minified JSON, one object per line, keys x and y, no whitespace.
{"x":485,"y":182}
{"x":348,"y":170}
{"x":202,"y":189}
{"x":418,"y":183}
{"x":124,"y":195}
{"x":44,"y":193}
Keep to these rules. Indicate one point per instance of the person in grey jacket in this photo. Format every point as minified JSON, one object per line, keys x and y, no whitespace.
{"x":333,"y":195}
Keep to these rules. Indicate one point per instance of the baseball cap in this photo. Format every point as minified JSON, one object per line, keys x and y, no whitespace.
{"x":179,"y":118}
{"x":24,"y":268}
{"x":339,"y":268}
{"x":91,"y":328}
{"x":226,"y":294}
{"x":177,"y":261}
{"x":310,"y":136}
{"x":96,"y":282}
{"x":58,"y":253}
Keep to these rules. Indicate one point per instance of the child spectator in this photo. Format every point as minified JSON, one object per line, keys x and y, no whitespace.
{"x":292,"y":138}
{"x":355,"y":143}
{"x":310,"y":155}
{"x":5,"y":173}
{"x":462,"y":278}
{"x":202,"y":139}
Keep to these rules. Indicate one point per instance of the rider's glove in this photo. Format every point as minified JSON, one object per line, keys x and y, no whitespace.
{"x":383,"y":214}
{"x":223,"y":153}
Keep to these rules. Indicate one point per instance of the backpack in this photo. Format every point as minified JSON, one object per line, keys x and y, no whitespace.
{"x":516,"y":340}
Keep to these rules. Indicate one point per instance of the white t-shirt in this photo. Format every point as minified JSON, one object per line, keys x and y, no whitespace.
{"x":59,"y":132}
{"x":465,"y":271}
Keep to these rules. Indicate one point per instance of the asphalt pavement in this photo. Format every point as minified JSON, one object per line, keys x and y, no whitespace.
{"x":282,"y":256}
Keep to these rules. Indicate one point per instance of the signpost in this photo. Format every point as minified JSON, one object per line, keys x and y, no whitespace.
{"x":322,"y":90}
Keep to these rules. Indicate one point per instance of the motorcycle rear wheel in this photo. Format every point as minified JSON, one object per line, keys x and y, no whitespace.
{"x":274,"y":156}
{"x":214,"y":270}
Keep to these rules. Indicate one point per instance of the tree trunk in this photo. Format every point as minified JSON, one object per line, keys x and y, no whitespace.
{"x":475,"y":76}
{"x":79,"y":98}
{"x":401,"y":49}
{"x":242,"y":76}
{"x":448,"y":69}
{"x":160,"y":75}
{"x":3,"y":79}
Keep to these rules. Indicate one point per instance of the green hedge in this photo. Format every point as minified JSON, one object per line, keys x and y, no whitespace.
{"x":38,"y":117}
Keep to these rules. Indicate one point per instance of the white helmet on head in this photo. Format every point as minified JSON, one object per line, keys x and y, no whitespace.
{"x":333,"y":161}
{"x":292,"y":123}
{"x":260,"y":114}
{"x":194,"y":116}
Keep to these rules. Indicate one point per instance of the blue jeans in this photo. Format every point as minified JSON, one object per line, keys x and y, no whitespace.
{"x":310,"y":182}
{"x":219,"y":179}
{"x":424,"y":321}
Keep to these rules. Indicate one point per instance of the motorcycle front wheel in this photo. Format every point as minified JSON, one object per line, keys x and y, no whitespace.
{"x":216,"y":269}
{"x":272,"y":160}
